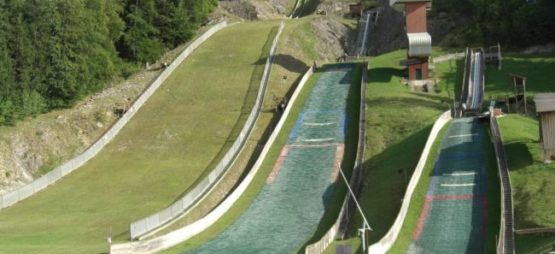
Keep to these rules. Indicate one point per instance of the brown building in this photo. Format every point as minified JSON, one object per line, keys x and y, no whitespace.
{"x":420,"y":41}
{"x":545,"y":107}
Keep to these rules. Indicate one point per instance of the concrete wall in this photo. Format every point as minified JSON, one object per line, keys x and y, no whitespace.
{"x":389,"y":239}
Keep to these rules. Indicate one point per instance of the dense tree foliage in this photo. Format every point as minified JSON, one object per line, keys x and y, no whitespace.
{"x":54,"y":52}
{"x":513,"y":23}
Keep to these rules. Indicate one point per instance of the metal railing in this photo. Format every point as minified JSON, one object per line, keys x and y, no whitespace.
{"x":505,"y":243}
{"x":149,"y":223}
{"x":10,"y":198}
{"x":175,"y":237}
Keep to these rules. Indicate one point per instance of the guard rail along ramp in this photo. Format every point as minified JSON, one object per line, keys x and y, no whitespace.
{"x":173,"y":238}
{"x":339,"y":228}
{"x":23,"y":192}
{"x":505,"y":243}
{"x":147,"y":224}
{"x":390,"y":237}
{"x":473,"y":82}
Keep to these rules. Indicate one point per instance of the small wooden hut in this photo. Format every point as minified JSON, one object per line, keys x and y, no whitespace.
{"x":545,"y":107}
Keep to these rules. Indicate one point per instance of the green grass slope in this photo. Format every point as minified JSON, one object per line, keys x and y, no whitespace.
{"x":258,"y":182}
{"x":533,"y":182}
{"x":168,"y":145}
{"x":293,"y":55}
{"x":398,"y":124}
{"x":538,"y":70}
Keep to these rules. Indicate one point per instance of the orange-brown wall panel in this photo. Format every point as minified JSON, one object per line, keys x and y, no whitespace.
{"x":416,"y":17}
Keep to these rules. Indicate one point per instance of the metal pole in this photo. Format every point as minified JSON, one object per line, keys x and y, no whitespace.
{"x":365,"y":225}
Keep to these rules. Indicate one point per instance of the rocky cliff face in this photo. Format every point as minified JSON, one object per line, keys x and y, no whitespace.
{"x":36,"y":145}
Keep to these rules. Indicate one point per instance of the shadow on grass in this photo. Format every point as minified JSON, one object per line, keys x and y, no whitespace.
{"x":404,"y":101}
{"x":434,"y":96}
{"x":518,"y":155}
{"x":386,"y":176}
{"x":288,"y":62}
{"x":248,"y":104}
{"x":385,"y":74}
{"x":539,"y":72}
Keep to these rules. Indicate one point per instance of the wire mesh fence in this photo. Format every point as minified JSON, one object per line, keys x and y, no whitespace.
{"x":288,"y":208}
{"x":10,"y":198}
{"x":149,"y":223}
{"x":505,"y":243}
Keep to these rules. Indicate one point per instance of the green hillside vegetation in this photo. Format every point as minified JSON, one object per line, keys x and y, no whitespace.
{"x":533,"y":182}
{"x":163,"y":151}
{"x":53,"y":53}
{"x":513,"y":23}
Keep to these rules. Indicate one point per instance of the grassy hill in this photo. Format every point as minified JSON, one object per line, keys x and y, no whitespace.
{"x":533,"y":182}
{"x":168,"y":145}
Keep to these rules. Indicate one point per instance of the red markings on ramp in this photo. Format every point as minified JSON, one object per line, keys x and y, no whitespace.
{"x":422,"y":219}
{"x":427,"y":205}
{"x":338,"y":158}
{"x":277,"y":167}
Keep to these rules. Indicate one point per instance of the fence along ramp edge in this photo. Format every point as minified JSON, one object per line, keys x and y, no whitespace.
{"x":145,"y":225}
{"x":21,"y":193}
{"x":185,"y":233}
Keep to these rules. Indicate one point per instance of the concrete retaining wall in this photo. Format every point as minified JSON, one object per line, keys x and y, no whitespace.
{"x":387,"y":241}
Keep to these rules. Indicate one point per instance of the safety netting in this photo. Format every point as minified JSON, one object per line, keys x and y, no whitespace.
{"x":287,"y":211}
{"x":453,"y":217}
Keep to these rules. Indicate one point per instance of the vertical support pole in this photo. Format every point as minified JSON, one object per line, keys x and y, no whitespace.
{"x":524,"y":95}
{"x":498,"y":55}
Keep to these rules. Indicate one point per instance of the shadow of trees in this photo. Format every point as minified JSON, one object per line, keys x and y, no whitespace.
{"x":288,"y":62}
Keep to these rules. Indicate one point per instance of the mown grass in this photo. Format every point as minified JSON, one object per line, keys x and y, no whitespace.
{"x":533,"y":182}
{"x":398,"y":124}
{"x":156,"y":157}
{"x":538,"y":70}
{"x":290,"y":63}
{"x":258,"y":182}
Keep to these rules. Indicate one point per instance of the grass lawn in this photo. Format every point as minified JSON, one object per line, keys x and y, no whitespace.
{"x":258,"y":182}
{"x":398,"y":124}
{"x":167,"y":146}
{"x":293,"y":56}
{"x":538,"y":69}
{"x":260,"y":179}
{"x":533,"y":182}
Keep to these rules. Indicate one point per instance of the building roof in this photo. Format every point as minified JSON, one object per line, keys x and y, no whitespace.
{"x":410,"y":61}
{"x":399,"y":5}
{"x":544,"y":102}
{"x":420,"y":44}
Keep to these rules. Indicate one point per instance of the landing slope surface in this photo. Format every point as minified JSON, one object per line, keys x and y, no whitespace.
{"x":453,"y":219}
{"x":289,"y":207}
